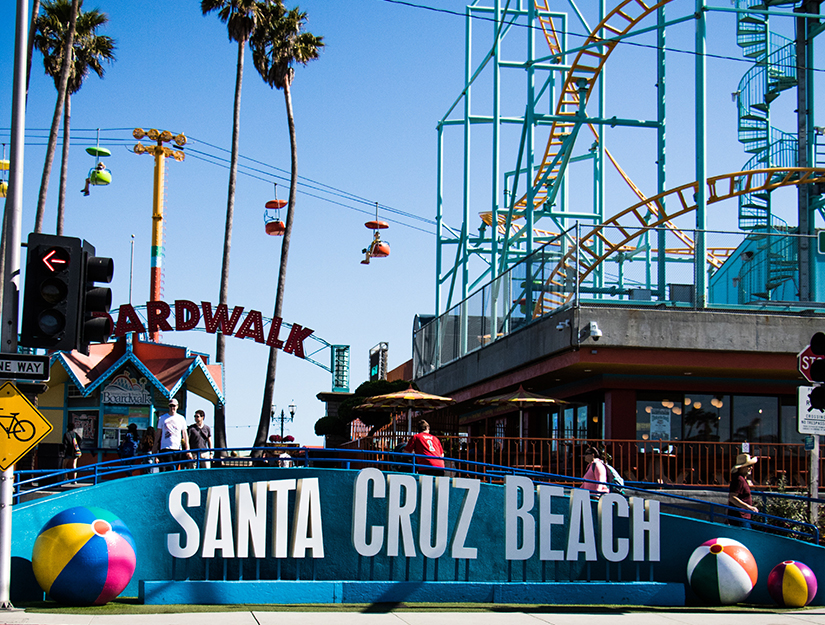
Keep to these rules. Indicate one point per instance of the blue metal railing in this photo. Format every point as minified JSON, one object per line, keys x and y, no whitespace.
{"x":29,"y":483}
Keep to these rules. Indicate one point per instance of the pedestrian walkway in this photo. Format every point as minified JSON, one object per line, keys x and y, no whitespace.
{"x":379,"y":616}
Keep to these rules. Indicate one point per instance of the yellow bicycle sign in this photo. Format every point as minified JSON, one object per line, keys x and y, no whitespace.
{"x":21,"y":425}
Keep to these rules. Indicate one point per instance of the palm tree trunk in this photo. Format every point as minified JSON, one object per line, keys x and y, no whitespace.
{"x":220,"y":349}
{"x":64,"y":165}
{"x":32,"y":28}
{"x":269,"y":386}
{"x":58,"y":110}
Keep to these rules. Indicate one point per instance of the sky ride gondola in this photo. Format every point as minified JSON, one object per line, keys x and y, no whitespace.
{"x":377,"y":248}
{"x":98,"y":176}
{"x":272,"y":216}
{"x":4,"y":167}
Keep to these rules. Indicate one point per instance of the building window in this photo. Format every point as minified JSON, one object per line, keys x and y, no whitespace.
{"x":706,"y":417}
{"x":659,"y":416}
{"x":755,"y":419}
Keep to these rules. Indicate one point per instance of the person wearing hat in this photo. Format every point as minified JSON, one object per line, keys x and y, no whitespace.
{"x":428,"y":450}
{"x":739,"y":494}
{"x":172,"y":437}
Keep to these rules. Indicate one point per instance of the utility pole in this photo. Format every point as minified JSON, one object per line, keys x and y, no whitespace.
{"x":13,"y":220}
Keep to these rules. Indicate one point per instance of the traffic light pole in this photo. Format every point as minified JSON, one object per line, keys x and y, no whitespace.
{"x":13,"y":219}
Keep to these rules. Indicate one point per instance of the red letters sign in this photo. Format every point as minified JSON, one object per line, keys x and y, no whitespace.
{"x":805,"y":359}
{"x":188,"y":314}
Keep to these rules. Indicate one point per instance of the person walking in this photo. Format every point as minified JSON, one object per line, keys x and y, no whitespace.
{"x":739,"y":492}
{"x":596,"y":471}
{"x":171,"y":438}
{"x":71,"y":450}
{"x":200,"y":438}
{"x":428,"y":447}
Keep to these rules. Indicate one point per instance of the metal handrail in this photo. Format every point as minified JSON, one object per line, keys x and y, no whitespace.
{"x":401,"y":461}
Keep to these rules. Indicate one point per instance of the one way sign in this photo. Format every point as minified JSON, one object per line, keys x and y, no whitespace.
{"x":24,"y":367}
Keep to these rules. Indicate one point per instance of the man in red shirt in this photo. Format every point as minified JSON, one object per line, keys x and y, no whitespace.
{"x":428,"y":446}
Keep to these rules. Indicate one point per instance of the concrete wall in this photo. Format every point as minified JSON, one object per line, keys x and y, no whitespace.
{"x":671,"y":329}
{"x":142,"y":503}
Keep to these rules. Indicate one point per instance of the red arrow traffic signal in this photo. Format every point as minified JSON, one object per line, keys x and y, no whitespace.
{"x":56,"y":259}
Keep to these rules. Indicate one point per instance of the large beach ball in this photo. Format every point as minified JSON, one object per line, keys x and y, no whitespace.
{"x":84,"y":556}
{"x":792,"y":584}
{"x":722,"y":571}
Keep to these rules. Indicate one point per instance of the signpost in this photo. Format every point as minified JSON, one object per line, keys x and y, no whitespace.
{"x":811,"y":421}
{"x":21,"y":425}
{"x":24,"y":367}
{"x":805,"y":359}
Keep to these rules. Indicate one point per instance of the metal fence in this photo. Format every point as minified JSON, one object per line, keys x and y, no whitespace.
{"x":619,"y":266}
{"x":686,"y":463}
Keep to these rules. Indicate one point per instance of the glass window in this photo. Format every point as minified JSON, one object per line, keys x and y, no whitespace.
{"x":790,"y":422}
{"x":658,"y":416}
{"x":706,"y":417}
{"x":755,"y":419}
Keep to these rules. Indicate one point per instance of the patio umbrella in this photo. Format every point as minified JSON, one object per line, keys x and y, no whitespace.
{"x":409,"y":399}
{"x":520,"y":399}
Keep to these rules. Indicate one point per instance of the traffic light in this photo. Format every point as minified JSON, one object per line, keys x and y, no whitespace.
{"x":51,"y":300}
{"x":61,"y":301}
{"x":95,"y":325}
{"x":817,"y":371}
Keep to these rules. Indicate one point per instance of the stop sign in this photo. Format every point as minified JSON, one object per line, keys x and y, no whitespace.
{"x":805,"y":359}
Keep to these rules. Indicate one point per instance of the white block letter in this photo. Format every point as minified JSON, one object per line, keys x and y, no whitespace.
{"x":581,"y":522}
{"x":217,"y":527}
{"x":399,"y":514}
{"x":465,"y":517}
{"x":307,"y":530}
{"x":186,"y":522}
{"x":641,"y":508}
{"x":366,"y":547}
{"x":606,"y":504}
{"x":250,"y":519}
{"x":436,"y":548}
{"x":280,"y":515}
{"x":546,"y":520}
{"x":513,"y":513}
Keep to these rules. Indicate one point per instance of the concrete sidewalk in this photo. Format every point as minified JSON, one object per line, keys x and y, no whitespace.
{"x":504,"y":617}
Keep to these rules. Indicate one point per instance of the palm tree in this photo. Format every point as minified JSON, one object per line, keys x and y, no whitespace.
{"x":63,"y":22}
{"x":239,"y":17}
{"x":277,"y":44}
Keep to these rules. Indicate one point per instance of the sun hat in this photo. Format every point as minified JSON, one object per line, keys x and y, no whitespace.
{"x":744,"y":460}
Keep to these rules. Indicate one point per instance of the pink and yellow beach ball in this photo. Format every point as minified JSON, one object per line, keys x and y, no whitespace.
{"x":792,"y":584}
{"x":84,"y":556}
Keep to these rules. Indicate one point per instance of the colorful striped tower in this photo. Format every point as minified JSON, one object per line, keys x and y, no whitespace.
{"x":161,"y":153}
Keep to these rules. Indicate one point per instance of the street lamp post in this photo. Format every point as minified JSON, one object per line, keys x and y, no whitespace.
{"x":283,"y":418}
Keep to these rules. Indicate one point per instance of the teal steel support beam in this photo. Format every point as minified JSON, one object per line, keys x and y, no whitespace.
{"x":661,"y":136}
{"x":700,"y":244}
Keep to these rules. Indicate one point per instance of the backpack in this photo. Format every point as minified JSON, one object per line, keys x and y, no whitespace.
{"x":128,"y":447}
{"x":614,"y":479}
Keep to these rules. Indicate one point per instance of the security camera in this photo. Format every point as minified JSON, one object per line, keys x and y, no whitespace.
{"x":595,"y":333}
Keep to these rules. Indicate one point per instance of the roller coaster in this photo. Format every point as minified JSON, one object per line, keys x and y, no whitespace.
{"x":576,"y":222}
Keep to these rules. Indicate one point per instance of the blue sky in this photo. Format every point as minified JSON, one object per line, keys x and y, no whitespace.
{"x":366,"y":114}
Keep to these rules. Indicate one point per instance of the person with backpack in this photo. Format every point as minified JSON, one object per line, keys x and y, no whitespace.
{"x":596,"y":471}
{"x":128,"y":447}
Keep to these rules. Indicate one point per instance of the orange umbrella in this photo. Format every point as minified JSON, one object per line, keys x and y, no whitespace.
{"x":409,"y":399}
{"x":520,"y":399}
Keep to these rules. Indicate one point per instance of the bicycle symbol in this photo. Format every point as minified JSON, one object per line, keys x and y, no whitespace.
{"x":21,"y":429}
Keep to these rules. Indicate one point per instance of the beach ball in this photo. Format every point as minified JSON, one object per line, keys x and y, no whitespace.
{"x":84,"y":556}
{"x":792,"y":584}
{"x":722,"y":571}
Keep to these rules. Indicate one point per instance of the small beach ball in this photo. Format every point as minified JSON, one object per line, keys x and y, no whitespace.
{"x":84,"y":556}
{"x":792,"y":584}
{"x":722,"y":571}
